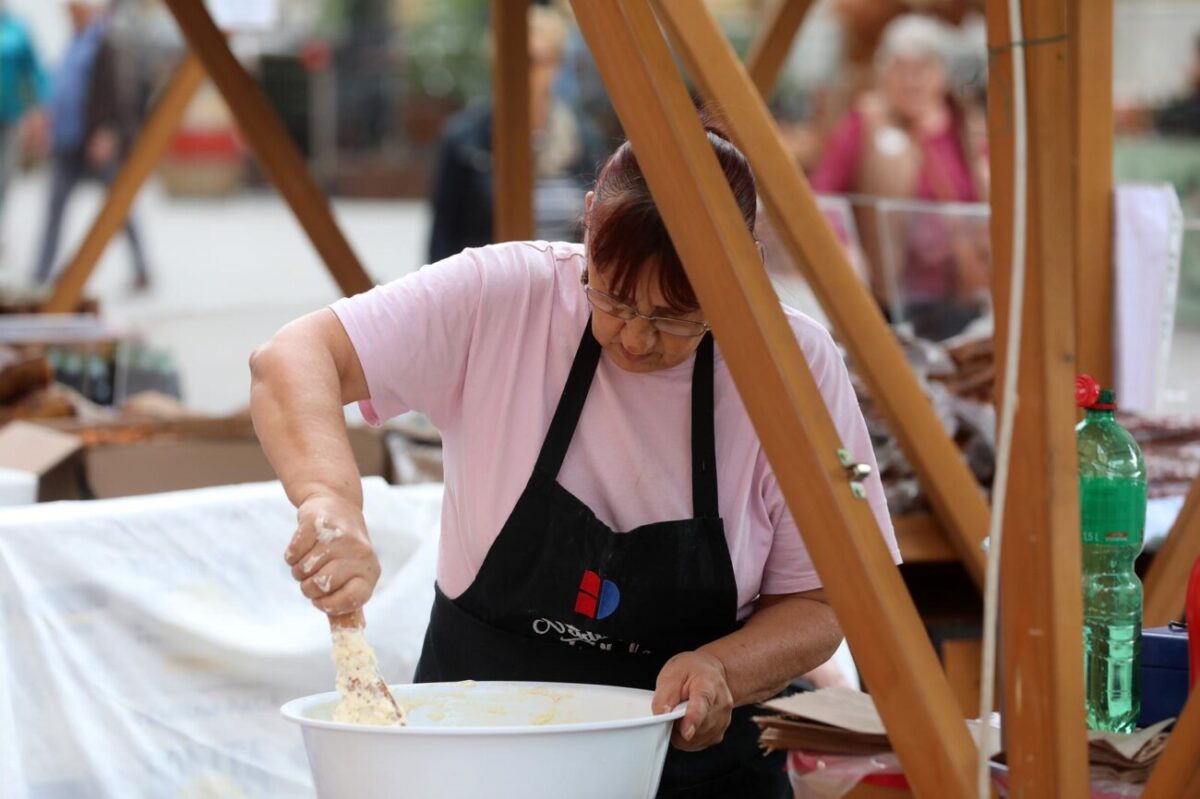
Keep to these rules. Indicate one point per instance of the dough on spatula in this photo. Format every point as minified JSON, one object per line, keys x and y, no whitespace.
{"x":365,"y":698}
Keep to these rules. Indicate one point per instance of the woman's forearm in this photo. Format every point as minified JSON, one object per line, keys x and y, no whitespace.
{"x":785,"y":638}
{"x":296,"y":406}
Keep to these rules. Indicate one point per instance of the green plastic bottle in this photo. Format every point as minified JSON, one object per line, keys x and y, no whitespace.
{"x":1112,"y":499}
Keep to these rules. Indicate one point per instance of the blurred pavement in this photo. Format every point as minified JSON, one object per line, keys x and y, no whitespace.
{"x":227,"y":272}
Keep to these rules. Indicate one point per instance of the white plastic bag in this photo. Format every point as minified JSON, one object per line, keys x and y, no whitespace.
{"x":146,"y":644}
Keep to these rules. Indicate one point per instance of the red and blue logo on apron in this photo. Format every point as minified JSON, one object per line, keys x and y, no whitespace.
{"x":597,"y":598}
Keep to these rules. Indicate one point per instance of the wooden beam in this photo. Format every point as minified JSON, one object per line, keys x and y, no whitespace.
{"x":1176,"y":775}
{"x":1000,"y":170}
{"x":276,"y":151}
{"x":952,"y":489}
{"x":771,"y":45}
{"x":1167,"y":578}
{"x":1091,"y":54}
{"x":961,"y":658}
{"x":922,"y":539}
{"x":780,"y":394}
{"x":512,"y":153}
{"x":143,"y":157}
{"x":1040,"y":596}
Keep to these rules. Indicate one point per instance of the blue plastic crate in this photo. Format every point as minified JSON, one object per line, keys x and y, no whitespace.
{"x":1164,"y":673}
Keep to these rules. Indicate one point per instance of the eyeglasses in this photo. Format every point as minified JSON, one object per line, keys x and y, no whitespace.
{"x":663,"y":324}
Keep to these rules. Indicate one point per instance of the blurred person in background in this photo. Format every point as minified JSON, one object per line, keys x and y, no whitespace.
{"x":87,"y":129}
{"x":360,"y":33}
{"x":911,"y":138}
{"x":1182,"y":117}
{"x":23,"y":88}
{"x":566,"y":153}
{"x":862,"y":24}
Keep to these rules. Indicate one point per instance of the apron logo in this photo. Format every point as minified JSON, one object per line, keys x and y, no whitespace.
{"x":597,"y":599}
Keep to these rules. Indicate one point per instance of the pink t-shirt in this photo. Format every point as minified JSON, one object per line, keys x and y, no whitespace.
{"x":482,"y":342}
{"x":945,"y":173}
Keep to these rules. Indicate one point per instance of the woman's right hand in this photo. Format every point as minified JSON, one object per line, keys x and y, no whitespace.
{"x":331,"y":555}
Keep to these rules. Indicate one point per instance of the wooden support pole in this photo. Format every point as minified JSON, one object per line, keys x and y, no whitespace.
{"x":1091,"y":54}
{"x":142,"y":158}
{"x":1040,"y":597}
{"x":263,"y":129}
{"x":1000,"y":170}
{"x":780,"y":394}
{"x":952,"y":489}
{"x":922,"y":539}
{"x":1166,"y":581}
{"x":1176,"y":775}
{"x":512,"y":153}
{"x":771,"y":45}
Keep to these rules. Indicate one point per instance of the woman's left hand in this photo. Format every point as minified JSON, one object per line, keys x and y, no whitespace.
{"x":699,"y":679}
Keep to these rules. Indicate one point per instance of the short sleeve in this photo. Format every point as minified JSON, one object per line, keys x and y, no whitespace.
{"x":412,"y":337}
{"x":789,"y":569}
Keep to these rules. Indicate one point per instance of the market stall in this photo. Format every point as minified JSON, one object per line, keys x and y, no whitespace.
{"x":1068,"y":260}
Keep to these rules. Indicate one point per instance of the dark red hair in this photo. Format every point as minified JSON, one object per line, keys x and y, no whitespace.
{"x":626,"y":233}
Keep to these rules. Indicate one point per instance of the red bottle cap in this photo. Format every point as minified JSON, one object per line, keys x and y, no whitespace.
{"x":1087,"y":391}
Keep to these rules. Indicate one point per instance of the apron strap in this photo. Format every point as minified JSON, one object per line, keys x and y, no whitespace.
{"x":704,"y":447}
{"x":570,"y":406}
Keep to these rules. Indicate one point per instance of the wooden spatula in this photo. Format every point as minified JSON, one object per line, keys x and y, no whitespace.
{"x":366,"y":698}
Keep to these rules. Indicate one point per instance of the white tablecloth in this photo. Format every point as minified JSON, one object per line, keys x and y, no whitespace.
{"x":147,"y":643}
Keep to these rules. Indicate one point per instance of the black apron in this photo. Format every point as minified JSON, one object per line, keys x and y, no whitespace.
{"x":560,"y":597}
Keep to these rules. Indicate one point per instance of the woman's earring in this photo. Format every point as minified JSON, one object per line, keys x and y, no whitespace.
{"x":583,"y":278}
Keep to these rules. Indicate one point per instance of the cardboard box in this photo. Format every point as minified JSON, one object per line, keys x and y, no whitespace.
{"x":52,"y":456}
{"x":128,"y":457}
{"x":177,"y":462}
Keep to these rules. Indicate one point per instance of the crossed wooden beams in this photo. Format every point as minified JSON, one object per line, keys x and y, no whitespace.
{"x":281,"y":161}
{"x":142,"y":159}
{"x":773,"y":378}
{"x":1041,"y":603}
{"x":859,"y":323}
{"x":1043,"y":700}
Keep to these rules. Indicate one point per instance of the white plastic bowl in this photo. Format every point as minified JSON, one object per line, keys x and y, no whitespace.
{"x":502,"y":739}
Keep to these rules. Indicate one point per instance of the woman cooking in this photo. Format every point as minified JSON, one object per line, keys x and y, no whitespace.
{"x":609,"y":514}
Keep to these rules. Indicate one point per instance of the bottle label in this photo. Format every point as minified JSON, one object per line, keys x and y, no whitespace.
{"x":1114,"y":511}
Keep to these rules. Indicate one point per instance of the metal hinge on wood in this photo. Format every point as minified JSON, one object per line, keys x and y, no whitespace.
{"x":855,"y":472}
